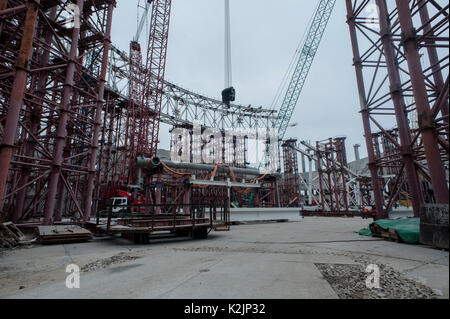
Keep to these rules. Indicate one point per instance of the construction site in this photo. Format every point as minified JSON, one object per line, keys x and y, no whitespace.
{"x":115,"y":182}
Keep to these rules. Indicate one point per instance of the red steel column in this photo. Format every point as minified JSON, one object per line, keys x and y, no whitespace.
{"x":378,"y":196}
{"x":319,"y":170}
{"x":61,"y":132}
{"x":399,"y":107}
{"x":433,"y":56}
{"x":3,"y":6}
{"x":35,"y":120}
{"x":426,"y":121}
{"x":98,"y":115}
{"x":17,"y":95}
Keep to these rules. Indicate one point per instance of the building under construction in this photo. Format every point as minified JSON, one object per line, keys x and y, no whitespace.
{"x":80,"y":124}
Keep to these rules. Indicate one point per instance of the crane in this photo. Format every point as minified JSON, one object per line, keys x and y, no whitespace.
{"x":146,"y":86}
{"x":153,"y":84}
{"x":308,"y":52}
{"x":135,"y":90}
{"x":142,"y":19}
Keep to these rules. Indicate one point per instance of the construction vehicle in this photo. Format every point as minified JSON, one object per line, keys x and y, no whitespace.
{"x":132,"y":199}
{"x":118,"y":205}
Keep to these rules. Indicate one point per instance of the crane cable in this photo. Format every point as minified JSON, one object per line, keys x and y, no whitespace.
{"x":291,"y":66}
{"x":228,"y":75}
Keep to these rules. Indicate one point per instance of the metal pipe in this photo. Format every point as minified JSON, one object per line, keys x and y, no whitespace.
{"x":356,"y":147}
{"x":156,"y":162}
{"x":310,"y":160}
{"x":303,"y":163}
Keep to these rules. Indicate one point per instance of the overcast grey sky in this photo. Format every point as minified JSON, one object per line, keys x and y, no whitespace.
{"x":265,"y":35}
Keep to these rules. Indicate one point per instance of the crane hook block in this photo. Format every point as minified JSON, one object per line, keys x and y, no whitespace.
{"x":228,"y":95}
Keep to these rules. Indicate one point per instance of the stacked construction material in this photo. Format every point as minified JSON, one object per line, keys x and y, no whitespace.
{"x":10,"y":235}
{"x":404,"y":230}
{"x":388,"y":234}
{"x":62,"y":234}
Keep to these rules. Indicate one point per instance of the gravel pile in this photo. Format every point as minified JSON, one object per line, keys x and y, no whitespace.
{"x":103,"y":263}
{"x":349,"y":282}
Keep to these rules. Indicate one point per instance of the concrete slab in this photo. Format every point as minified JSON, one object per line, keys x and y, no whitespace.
{"x":259,"y":214}
{"x":273,"y":260}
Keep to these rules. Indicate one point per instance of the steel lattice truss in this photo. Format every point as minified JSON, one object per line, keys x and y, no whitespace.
{"x":332,"y":161}
{"x":153,"y":84}
{"x":51,"y":105}
{"x":65,"y":115}
{"x":182,"y":107}
{"x":290,"y":196}
{"x":307,"y":54}
{"x":401,"y":60}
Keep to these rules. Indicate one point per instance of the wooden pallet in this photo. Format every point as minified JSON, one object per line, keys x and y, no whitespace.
{"x":388,"y":234}
{"x":63,"y":234}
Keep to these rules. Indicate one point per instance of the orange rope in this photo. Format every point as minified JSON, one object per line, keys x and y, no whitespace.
{"x":180,"y":174}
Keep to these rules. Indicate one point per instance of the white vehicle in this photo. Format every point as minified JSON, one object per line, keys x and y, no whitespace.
{"x":118,"y":204}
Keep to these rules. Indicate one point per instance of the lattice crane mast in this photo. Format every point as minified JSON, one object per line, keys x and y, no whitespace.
{"x":146,"y":86}
{"x":305,"y":60}
{"x":135,"y":91}
{"x":153,"y":81}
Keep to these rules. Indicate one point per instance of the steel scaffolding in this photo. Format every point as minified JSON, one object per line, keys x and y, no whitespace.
{"x":72,"y":107}
{"x":53,"y":67}
{"x":291,"y":179}
{"x":400,"y":59}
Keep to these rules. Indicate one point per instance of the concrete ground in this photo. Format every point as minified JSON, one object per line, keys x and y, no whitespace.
{"x":254,"y":261}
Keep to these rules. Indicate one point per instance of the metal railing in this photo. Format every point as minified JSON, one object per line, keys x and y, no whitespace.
{"x":217,"y":214}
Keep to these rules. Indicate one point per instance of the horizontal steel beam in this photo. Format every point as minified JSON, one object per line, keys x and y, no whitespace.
{"x":223,"y":183}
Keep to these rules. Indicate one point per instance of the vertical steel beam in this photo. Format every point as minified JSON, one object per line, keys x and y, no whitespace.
{"x":310,"y":161}
{"x":3,"y":6}
{"x":187,"y":200}
{"x":35,"y":121}
{"x":433,"y":57}
{"x":17,"y":95}
{"x":98,"y":114}
{"x":399,"y":107}
{"x":61,"y":132}
{"x":319,"y":170}
{"x":426,"y":121}
{"x":373,"y":167}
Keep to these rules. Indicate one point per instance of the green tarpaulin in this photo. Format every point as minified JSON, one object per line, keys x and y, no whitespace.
{"x":407,"y":228}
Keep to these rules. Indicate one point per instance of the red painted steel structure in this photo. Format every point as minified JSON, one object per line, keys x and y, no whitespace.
{"x":290,"y":183}
{"x":135,"y":92}
{"x":65,"y":134}
{"x":69,"y":140}
{"x":394,"y":83}
{"x":154,"y":82}
{"x":332,"y":160}
{"x":52,"y":104}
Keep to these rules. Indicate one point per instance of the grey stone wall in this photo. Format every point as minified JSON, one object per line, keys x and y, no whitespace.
{"x":434,"y":225}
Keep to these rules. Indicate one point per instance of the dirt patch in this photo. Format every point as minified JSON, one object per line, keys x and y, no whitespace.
{"x":349,"y":282}
{"x":2,"y":268}
{"x":105,"y":262}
